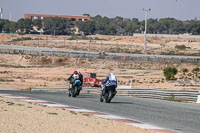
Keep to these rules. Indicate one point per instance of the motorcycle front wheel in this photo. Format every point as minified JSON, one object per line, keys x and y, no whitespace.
{"x":74,"y":91}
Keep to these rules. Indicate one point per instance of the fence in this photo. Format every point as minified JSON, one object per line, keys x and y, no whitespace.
{"x":183,"y":95}
{"x":168,"y":35}
{"x":12,"y":49}
{"x":113,"y":44}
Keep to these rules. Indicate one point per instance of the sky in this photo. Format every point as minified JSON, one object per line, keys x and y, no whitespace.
{"x":178,"y":9}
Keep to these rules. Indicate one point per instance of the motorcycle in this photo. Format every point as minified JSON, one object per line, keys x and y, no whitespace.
{"x":75,"y":89}
{"x":108,"y":93}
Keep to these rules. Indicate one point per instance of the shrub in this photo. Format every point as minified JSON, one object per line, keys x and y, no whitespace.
{"x":196,"y":71}
{"x":181,"y":47}
{"x":184,"y":71}
{"x":170,"y":73}
{"x":21,"y":39}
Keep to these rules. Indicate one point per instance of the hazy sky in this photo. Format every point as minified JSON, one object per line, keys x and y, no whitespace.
{"x":179,"y":9}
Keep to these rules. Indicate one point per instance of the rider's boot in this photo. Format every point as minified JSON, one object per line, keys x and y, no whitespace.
{"x":103,"y":92}
{"x":69,"y":92}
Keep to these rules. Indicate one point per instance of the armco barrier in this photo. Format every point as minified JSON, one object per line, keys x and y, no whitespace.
{"x":198,"y":98}
{"x":13,"y":49}
{"x":185,"y":95}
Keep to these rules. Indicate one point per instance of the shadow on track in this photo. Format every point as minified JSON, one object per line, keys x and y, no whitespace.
{"x":120,"y":102}
{"x":86,"y":96}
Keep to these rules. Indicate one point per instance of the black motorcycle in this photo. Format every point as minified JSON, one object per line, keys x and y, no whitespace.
{"x":75,"y":89}
{"x":108,"y":93}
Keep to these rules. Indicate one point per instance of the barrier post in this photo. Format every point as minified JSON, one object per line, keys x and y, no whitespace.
{"x":198,"y":98}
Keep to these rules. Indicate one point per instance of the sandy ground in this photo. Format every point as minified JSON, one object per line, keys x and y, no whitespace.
{"x":116,"y":44}
{"x":25,"y":72}
{"x":22,"y":117}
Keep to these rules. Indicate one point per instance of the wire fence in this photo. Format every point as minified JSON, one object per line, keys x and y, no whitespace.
{"x":95,"y":44}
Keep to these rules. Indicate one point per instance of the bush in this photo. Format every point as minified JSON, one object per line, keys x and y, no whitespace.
{"x":21,"y":39}
{"x":170,"y":73}
{"x":181,"y":47}
{"x":184,"y":71}
{"x":196,"y":71}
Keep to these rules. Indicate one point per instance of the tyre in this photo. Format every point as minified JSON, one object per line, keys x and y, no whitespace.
{"x":109,"y":96}
{"x":78,"y":92}
{"x":101,"y":99}
{"x":74,"y":91}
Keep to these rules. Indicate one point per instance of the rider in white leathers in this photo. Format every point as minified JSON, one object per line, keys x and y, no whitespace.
{"x":109,"y":81}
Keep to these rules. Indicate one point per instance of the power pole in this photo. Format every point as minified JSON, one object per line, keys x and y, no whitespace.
{"x":145,"y":32}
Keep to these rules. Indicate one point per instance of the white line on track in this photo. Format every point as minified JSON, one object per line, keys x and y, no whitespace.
{"x":142,"y":125}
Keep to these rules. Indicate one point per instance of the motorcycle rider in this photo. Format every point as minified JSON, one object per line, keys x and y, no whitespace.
{"x":75,"y":76}
{"x":109,"y":81}
{"x":72,"y":78}
{"x":81,"y":77}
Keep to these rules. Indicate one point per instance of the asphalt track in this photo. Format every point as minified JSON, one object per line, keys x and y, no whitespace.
{"x":180,"y":117}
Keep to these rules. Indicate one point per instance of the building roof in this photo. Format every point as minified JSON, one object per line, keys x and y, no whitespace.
{"x":62,"y":16}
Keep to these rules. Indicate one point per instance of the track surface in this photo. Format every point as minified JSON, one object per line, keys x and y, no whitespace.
{"x":181,"y":117}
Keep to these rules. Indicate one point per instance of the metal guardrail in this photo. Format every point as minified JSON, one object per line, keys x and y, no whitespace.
{"x":25,"y":50}
{"x":184,"y":95}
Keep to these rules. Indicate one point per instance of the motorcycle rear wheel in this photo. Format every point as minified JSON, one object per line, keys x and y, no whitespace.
{"x":109,"y":96}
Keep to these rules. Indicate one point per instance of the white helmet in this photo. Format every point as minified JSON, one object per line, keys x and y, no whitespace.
{"x":112,"y":76}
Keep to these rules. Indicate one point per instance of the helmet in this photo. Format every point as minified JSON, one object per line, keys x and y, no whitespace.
{"x":75,"y":72}
{"x":111,"y":74}
{"x":78,"y":72}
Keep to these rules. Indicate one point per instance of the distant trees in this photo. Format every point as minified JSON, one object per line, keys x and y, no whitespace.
{"x":57,"y":26}
{"x":119,"y":25}
{"x":25,"y":25}
{"x":103,"y":25}
{"x":88,"y":27}
{"x":7,"y":26}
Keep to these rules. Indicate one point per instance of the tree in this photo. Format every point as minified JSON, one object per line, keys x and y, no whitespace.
{"x":38,"y":23}
{"x":25,"y":25}
{"x":1,"y":25}
{"x":170,"y":73}
{"x":88,"y":27}
{"x":10,"y":27}
{"x":132,"y":26}
{"x":57,"y":26}
{"x":105,"y":26}
{"x":192,"y":27}
{"x":153,"y":26}
{"x":86,"y":14}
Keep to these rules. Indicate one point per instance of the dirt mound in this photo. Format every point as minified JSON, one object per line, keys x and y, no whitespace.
{"x":61,"y":61}
{"x":4,"y":37}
